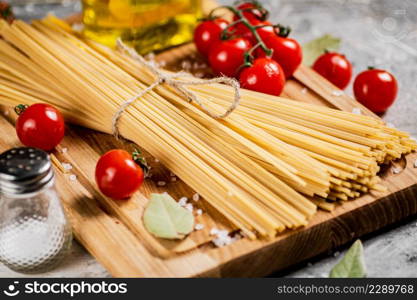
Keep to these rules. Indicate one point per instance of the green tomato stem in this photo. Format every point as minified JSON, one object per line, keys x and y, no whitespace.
{"x":140,"y":160}
{"x":226,"y":34}
{"x":19,"y":109}
{"x":248,"y":57}
{"x":242,"y":19}
{"x":284,"y":31}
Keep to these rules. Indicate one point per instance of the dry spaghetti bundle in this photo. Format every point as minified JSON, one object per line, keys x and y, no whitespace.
{"x":255,"y":166}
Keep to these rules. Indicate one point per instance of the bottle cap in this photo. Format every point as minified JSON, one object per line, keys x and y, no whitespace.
{"x":24,"y":171}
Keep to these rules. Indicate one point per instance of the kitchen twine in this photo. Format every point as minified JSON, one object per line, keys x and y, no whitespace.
{"x":173,"y":81}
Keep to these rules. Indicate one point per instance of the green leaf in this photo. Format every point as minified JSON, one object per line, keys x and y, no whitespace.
{"x":165,"y":218}
{"x":352,"y":264}
{"x":317,"y":47}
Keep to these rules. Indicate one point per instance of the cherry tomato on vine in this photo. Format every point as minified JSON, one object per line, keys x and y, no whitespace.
{"x":6,"y":12}
{"x":265,"y":76}
{"x":41,"y":126}
{"x":252,"y":11}
{"x":208,"y":33}
{"x":376,"y":89}
{"x":335,"y":68}
{"x":117,"y":174}
{"x":286,"y":51}
{"x":264,"y":29}
{"x":225,"y":58}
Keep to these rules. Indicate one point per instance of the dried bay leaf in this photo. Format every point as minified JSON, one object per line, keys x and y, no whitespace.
{"x":165,"y":218}
{"x":313,"y":49}
{"x":352,"y":264}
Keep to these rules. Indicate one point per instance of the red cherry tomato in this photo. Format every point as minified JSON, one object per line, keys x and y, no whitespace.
{"x":252,"y":11}
{"x":265,"y":30}
{"x":287,"y":52}
{"x":41,"y":126}
{"x":226,"y":57}
{"x":265,"y":76}
{"x":208,"y":33}
{"x":6,"y":12}
{"x":376,"y":89}
{"x":117,"y":174}
{"x":335,"y":68}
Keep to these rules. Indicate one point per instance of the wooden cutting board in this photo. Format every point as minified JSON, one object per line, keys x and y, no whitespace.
{"x":112,"y":231}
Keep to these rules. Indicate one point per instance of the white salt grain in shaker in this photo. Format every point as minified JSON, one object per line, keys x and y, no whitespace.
{"x":34,"y":232}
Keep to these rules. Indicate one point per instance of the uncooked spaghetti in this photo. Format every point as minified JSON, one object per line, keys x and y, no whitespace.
{"x":265,"y":167}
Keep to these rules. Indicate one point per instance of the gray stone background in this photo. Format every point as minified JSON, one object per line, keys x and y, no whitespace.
{"x":380,"y":33}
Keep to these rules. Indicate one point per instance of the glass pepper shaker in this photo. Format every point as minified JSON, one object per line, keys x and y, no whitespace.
{"x":34,"y":232}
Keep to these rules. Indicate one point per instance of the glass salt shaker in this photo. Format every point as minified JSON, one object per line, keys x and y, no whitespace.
{"x":35,"y":234}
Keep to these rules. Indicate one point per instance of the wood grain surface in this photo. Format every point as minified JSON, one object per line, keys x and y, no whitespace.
{"x":113,"y":231}
{"x":114,"y":234}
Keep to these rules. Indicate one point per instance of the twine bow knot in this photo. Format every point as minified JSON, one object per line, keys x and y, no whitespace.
{"x":172,"y":79}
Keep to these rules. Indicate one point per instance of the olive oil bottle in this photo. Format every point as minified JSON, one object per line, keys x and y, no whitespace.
{"x":148,"y":25}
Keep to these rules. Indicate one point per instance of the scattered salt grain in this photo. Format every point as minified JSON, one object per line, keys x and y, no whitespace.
{"x":214,"y":231}
{"x":199,"y":74}
{"x":153,"y":64}
{"x":336,"y":254}
{"x":30,"y":7}
{"x":186,"y":65}
{"x":77,"y":6}
{"x":222,"y":241}
{"x":223,"y":238}
{"x":161,"y":183}
{"x":304,"y":91}
{"x":199,"y":212}
{"x":66,"y":3}
{"x":237,"y":237}
{"x":17,"y":10}
{"x":199,"y":226}
{"x":78,"y":27}
{"x":183,"y":201}
{"x":223,"y":233}
{"x":156,"y":160}
{"x":196,"y":65}
{"x":6,"y":113}
{"x":357,"y":111}
{"x":337,"y":93}
{"x":390,"y":125}
{"x":64,"y":150}
{"x":415,"y":163}
{"x":173,"y":179}
{"x":150,"y":56}
{"x":196,"y":197}
{"x":73,"y":177}
{"x":67,"y":166}
{"x":396,"y":170}
{"x":189,"y":207}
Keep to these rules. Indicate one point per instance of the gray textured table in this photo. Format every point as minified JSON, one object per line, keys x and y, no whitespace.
{"x":380,"y":33}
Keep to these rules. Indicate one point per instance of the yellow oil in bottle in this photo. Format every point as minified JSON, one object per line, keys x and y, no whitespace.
{"x":148,"y":25}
